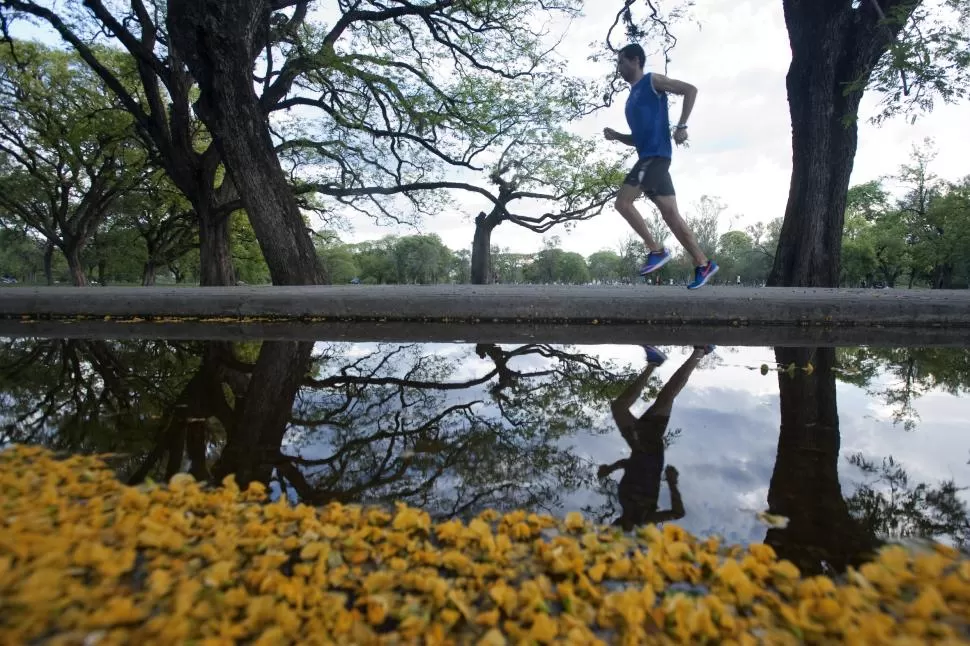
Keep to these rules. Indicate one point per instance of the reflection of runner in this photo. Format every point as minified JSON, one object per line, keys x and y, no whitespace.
{"x":640,"y":485}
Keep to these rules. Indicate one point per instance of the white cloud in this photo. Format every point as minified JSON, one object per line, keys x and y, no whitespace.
{"x":740,"y":128}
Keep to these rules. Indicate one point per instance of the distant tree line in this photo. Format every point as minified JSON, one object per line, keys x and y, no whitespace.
{"x":919,"y":239}
{"x":83,"y":199}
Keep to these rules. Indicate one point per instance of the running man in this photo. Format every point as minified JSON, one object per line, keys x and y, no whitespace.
{"x":639,"y":488}
{"x":649,"y":121}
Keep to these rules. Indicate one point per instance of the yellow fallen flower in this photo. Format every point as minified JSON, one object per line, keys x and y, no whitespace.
{"x":85,"y":559}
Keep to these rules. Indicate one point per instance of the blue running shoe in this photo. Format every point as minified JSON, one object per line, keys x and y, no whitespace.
{"x":709,"y":348}
{"x":655,"y":260}
{"x":654,"y":355}
{"x":703,"y":274}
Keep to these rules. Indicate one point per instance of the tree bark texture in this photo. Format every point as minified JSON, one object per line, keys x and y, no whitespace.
{"x":481,"y":262}
{"x":216,"y":38}
{"x":833,"y":45}
{"x":215,"y":249}
{"x":148,"y":274}
{"x":262,"y":416}
{"x":72,"y":252}
{"x":805,"y":485}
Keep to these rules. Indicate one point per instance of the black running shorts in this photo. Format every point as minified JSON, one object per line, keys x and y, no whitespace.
{"x":652,"y":175}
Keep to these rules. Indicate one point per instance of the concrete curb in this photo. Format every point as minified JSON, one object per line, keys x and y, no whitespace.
{"x":405,"y":332}
{"x":530,"y":304}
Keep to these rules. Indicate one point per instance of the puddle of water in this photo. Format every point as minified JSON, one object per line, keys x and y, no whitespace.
{"x":821,"y":452}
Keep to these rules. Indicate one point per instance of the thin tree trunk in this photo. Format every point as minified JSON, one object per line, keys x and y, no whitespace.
{"x":49,"y":262}
{"x":943,"y":276}
{"x":215,"y":37}
{"x":481,"y":262}
{"x":101,"y":272}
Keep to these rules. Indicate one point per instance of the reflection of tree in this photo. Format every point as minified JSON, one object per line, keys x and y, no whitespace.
{"x":152,"y":402}
{"x":805,"y":482}
{"x":185,"y":426}
{"x":88,"y":395}
{"x":401,"y":422}
{"x":262,"y":414}
{"x":913,"y":372}
{"x":892,"y":507}
{"x":397,"y":424}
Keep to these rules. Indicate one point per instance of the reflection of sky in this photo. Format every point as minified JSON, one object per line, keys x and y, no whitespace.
{"x":728,"y":415}
{"x":463,"y":365}
{"x":728,"y":418}
{"x":729,"y":425}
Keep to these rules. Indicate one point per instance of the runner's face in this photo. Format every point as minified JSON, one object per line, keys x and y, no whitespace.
{"x":626,"y":68}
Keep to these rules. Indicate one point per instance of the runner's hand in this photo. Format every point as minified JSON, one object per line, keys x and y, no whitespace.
{"x":610,"y":134}
{"x":680,"y":136}
{"x":671,"y":474}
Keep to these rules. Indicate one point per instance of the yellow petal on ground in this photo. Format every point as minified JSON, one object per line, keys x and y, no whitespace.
{"x":83,"y":557}
{"x":574,"y":521}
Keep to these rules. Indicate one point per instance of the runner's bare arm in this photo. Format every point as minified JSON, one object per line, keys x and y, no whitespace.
{"x":676,"y":510}
{"x":666,"y":84}
{"x":606,"y":469}
{"x":613,"y":135}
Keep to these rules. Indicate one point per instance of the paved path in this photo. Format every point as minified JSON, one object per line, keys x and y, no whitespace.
{"x":511,"y":333}
{"x":531,"y":304}
{"x":495,"y":313}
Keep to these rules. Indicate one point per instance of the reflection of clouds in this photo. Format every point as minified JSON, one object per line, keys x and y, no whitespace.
{"x":730,"y":419}
{"x":741,"y":126}
{"x":726,"y":451}
{"x":729,"y":416}
{"x":935,"y":450}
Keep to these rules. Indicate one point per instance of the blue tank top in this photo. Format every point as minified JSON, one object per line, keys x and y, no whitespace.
{"x":649,"y":121}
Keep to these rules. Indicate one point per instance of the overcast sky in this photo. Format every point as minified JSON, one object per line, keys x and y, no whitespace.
{"x":740,"y":129}
{"x":729,"y":415}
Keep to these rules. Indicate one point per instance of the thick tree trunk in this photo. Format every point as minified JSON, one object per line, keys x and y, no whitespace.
{"x":148,"y":274}
{"x":49,"y":263}
{"x":834,"y":47}
{"x":943,"y":276}
{"x":823,"y":150}
{"x":805,"y":485}
{"x":215,"y":250}
{"x":72,"y":252}
{"x":215,"y":37}
{"x":481,"y":262}
{"x":262,"y":415}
